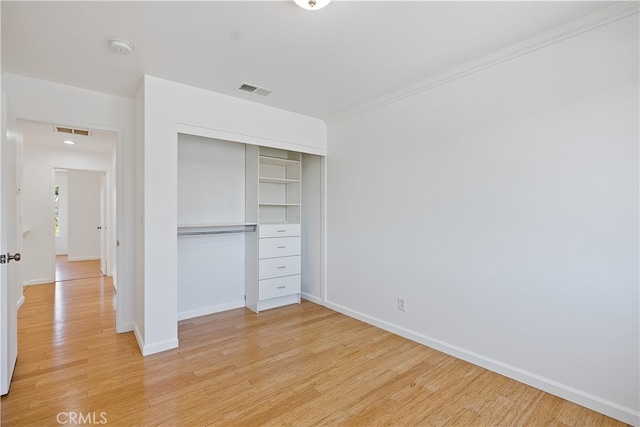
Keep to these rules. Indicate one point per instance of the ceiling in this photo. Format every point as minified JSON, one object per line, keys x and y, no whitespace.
{"x":318,"y":63}
{"x":43,"y":134}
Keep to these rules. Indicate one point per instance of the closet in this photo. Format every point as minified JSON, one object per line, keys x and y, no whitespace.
{"x":243,"y":239}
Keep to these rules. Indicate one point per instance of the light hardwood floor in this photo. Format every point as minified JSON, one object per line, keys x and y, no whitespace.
{"x":71,"y":270}
{"x":294,"y":366}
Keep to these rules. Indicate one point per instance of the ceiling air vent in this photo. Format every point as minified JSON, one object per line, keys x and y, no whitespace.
{"x":254,"y":89}
{"x":82,"y":132}
{"x":262,"y":91}
{"x":248,"y":88}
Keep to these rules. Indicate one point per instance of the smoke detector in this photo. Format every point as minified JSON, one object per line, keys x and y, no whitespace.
{"x":121,"y":46}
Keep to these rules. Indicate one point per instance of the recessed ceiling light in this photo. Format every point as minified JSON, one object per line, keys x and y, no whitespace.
{"x":68,"y":141}
{"x":120,"y":46}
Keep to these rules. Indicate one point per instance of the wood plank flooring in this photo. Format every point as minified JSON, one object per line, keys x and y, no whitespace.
{"x":300,"y":365}
{"x":71,"y":270}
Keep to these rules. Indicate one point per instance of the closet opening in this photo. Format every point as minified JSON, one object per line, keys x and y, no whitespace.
{"x":249,"y":226}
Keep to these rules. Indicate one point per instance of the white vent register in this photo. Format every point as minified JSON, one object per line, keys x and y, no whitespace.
{"x":255,"y":89}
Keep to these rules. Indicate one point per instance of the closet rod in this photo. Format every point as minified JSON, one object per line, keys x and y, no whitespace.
{"x":221,"y":230}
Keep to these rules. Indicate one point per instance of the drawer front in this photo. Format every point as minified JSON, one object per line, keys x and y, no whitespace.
{"x":277,"y":267}
{"x":279,"y":230}
{"x":279,"y":287}
{"x":277,"y":247}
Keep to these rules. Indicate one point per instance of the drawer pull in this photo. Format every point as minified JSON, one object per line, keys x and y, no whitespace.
{"x":281,"y":247}
{"x":280,"y":287}
{"x":281,"y":267}
{"x":281,"y":231}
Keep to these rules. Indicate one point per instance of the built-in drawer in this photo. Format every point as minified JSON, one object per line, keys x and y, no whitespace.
{"x":277,"y":247}
{"x":278,"y":230}
{"x":277,"y":267}
{"x":279,"y":287}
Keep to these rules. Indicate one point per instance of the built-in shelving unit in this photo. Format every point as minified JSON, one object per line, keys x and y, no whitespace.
{"x":279,"y":187}
{"x":274,"y":199}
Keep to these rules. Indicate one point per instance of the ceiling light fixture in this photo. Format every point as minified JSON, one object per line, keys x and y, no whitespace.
{"x":121,"y":46}
{"x":312,"y":4}
{"x":68,"y":141}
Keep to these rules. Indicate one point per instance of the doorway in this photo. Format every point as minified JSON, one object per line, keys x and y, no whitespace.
{"x":44,"y":152}
{"x":81,"y":211}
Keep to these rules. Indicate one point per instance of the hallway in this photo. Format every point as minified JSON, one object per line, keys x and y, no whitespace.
{"x":67,"y":344}
{"x":72,"y":270}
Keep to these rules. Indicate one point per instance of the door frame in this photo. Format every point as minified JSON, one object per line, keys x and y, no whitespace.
{"x":108,"y":219}
{"x":105,"y":224}
{"x":118,"y":206}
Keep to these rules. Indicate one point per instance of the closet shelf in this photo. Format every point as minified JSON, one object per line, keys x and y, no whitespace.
{"x":277,"y":161}
{"x":202,"y":229}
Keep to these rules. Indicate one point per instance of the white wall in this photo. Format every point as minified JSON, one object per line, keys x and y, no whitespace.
{"x":37,"y":202}
{"x":169,"y":108}
{"x":84,"y":214}
{"x":504,"y":207}
{"x":312,"y":277}
{"x":47,"y":102}
{"x":112,"y":218}
{"x":62,"y":243}
{"x":211,"y":175}
{"x":139,"y":290}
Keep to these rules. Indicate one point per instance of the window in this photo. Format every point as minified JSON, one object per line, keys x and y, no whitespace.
{"x":56,"y":209}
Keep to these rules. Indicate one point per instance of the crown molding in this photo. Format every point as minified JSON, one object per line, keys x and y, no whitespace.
{"x":592,"y":21}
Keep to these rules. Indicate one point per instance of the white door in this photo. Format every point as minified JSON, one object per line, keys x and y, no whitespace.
{"x":10,"y":291}
{"x":103,"y":226}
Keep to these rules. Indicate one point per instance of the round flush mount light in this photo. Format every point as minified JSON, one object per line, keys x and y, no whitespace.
{"x":121,"y":46}
{"x":68,"y":141}
{"x":312,"y":4}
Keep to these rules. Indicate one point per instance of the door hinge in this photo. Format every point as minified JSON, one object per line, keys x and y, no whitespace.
{"x":3,"y":259}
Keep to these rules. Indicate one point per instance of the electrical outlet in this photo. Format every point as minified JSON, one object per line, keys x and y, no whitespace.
{"x":402,"y":304}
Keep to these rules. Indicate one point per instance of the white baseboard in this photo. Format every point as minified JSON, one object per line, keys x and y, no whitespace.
{"x":190,"y":314}
{"x":270,"y":303}
{"x":139,"y":339}
{"x":148,"y":349}
{"x":571,"y":394}
{"x":33,"y":282}
{"x":159,"y":347}
{"x":83,"y":258}
{"x":311,"y":298}
{"x":128,"y":327}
